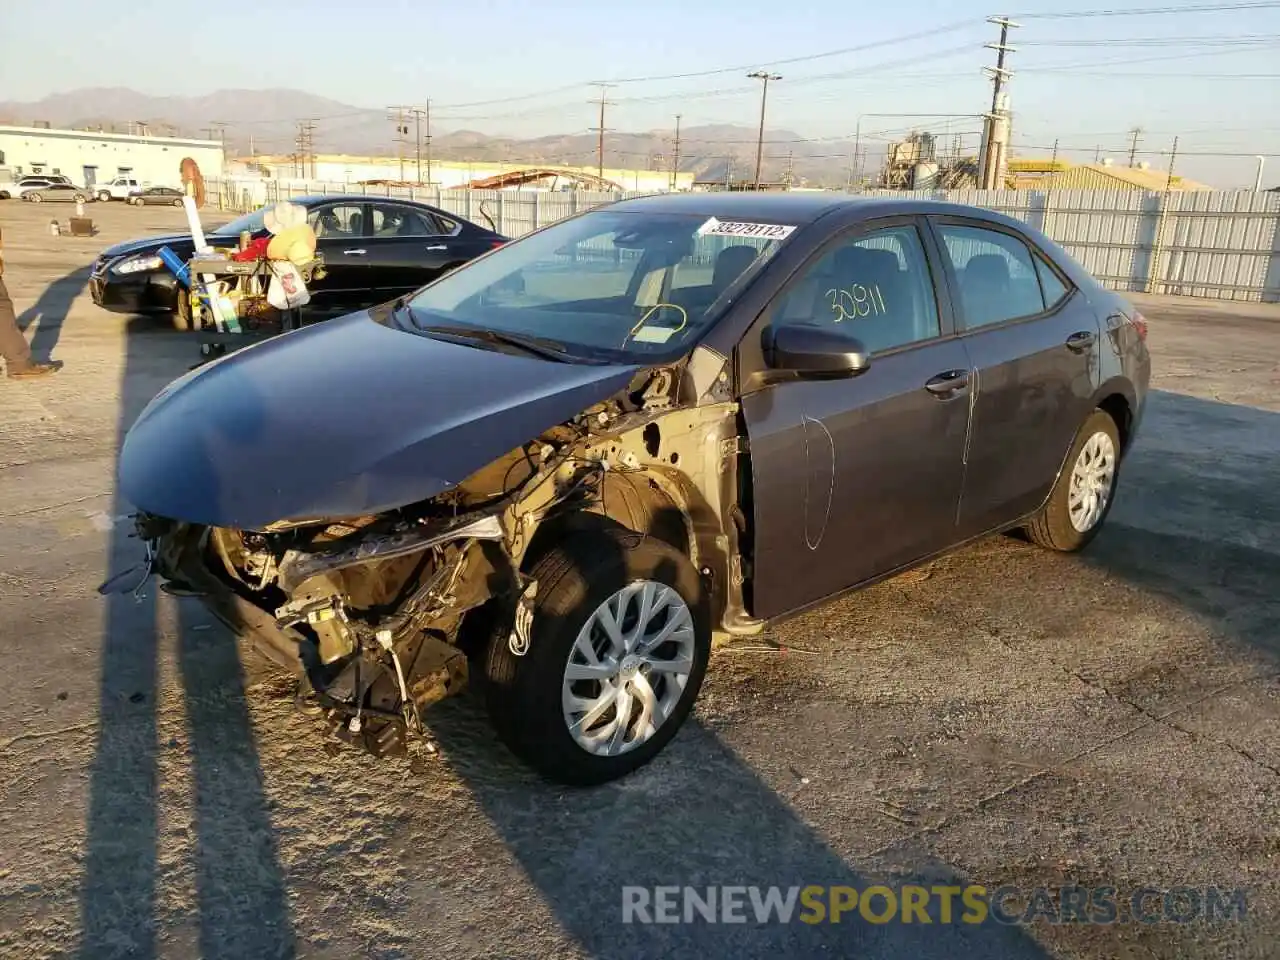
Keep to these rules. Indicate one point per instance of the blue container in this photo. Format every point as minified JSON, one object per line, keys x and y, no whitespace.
{"x":176,"y":264}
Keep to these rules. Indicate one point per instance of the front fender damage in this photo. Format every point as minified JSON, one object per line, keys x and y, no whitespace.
{"x":378,"y":617}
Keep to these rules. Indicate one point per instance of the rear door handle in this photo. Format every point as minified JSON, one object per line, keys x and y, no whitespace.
{"x":948,"y":384}
{"x":1081,"y":340}
{"x":437,"y":246}
{"x":359,"y":252}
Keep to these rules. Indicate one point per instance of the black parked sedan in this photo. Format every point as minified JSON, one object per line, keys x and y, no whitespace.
{"x":374,"y":249}
{"x":578,"y":458}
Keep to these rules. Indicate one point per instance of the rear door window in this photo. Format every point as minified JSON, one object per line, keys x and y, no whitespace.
{"x":995,"y":272}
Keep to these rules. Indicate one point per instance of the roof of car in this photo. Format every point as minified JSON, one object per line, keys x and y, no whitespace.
{"x":794,"y":208}
{"x":356,"y":198}
{"x":788,"y":207}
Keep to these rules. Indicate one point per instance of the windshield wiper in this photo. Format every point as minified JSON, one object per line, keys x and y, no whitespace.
{"x":537,"y":346}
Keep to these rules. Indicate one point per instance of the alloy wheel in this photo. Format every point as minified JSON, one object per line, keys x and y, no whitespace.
{"x":1092,"y":479}
{"x":628,"y":668}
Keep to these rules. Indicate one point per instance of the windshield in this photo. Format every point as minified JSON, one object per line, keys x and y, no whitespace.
{"x":609,"y":285}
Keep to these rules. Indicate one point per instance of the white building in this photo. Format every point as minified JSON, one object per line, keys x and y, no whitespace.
{"x":89,"y":157}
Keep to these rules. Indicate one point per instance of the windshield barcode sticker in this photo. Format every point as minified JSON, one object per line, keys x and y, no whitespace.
{"x":735,"y":228}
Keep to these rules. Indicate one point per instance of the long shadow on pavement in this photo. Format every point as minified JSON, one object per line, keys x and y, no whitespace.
{"x":49,"y":312}
{"x":1198,"y":516}
{"x":697,"y":816}
{"x":240,"y":886}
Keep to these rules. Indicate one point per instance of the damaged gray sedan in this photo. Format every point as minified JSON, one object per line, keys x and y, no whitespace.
{"x":560,"y":471}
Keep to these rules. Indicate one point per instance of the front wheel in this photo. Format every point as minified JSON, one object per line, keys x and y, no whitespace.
{"x":1085,"y":490}
{"x":618,"y":647}
{"x":182,"y":319}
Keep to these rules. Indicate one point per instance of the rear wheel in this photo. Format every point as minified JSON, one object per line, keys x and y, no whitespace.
{"x":104,"y":196}
{"x":35,"y":197}
{"x":1082,"y":497}
{"x":176,"y":203}
{"x":618,"y":647}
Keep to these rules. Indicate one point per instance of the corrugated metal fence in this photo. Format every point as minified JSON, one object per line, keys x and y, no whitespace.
{"x":1220,"y":245}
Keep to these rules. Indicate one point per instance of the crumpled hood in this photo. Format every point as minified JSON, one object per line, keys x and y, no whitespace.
{"x":344,"y":418}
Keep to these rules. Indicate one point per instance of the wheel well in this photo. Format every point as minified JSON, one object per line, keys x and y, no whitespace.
{"x":631,"y":501}
{"x":1117,"y":408}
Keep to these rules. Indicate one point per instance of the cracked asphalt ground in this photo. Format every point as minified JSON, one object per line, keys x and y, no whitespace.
{"x":1007,"y":716}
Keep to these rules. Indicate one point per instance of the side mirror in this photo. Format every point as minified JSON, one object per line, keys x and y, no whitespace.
{"x":810,"y":351}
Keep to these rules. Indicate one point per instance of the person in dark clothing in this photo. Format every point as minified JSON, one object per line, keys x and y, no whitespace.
{"x":13,"y":345}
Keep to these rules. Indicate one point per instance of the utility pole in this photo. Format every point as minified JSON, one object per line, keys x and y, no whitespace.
{"x":427,"y":116}
{"x":764,"y":77}
{"x":675,"y":160}
{"x":417,"y":113}
{"x":300,"y":150}
{"x":1097,"y":154}
{"x":402,"y":132}
{"x":1054,"y":161}
{"x":1133,"y":144}
{"x":995,"y":144}
{"x":309,"y":147}
{"x":1173,"y":155}
{"x":604,"y":90}
{"x":999,"y":75}
{"x":791,"y":161}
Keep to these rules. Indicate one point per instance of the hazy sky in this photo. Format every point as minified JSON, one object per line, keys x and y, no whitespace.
{"x":523,"y":68}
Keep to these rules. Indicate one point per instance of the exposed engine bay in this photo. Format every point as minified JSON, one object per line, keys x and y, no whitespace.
{"x":381,"y":616}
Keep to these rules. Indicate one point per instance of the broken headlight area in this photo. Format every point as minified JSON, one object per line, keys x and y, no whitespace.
{"x":365,"y":612}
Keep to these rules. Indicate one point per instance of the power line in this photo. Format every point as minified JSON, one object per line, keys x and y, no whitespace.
{"x":860,"y":48}
{"x":1197,"y":41}
{"x":1154,"y":11}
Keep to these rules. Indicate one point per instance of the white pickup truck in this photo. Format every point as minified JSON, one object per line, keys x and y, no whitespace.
{"x":118,"y":189}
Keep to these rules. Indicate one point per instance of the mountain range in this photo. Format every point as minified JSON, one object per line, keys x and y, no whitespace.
{"x":267,"y":122}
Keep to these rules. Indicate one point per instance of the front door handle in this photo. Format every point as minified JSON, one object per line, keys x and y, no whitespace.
{"x":1081,"y":340}
{"x":948,"y":384}
{"x":437,"y":246}
{"x":359,"y":252}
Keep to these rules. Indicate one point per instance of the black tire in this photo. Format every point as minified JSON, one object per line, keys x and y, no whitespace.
{"x":35,"y":197}
{"x":103,"y":197}
{"x":176,"y":203}
{"x":1052,"y":528}
{"x":574,"y":578}
{"x":182,"y":312}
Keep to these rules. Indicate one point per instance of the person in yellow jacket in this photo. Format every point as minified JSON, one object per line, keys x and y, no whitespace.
{"x":13,"y":345}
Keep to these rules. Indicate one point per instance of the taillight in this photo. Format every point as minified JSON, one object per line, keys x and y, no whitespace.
{"x":496,"y":244}
{"x":1139,"y":323}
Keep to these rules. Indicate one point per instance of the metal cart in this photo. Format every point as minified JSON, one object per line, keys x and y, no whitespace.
{"x":256,"y":319}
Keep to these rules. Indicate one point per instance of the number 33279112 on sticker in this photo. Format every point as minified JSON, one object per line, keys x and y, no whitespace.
{"x":856,"y":302}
